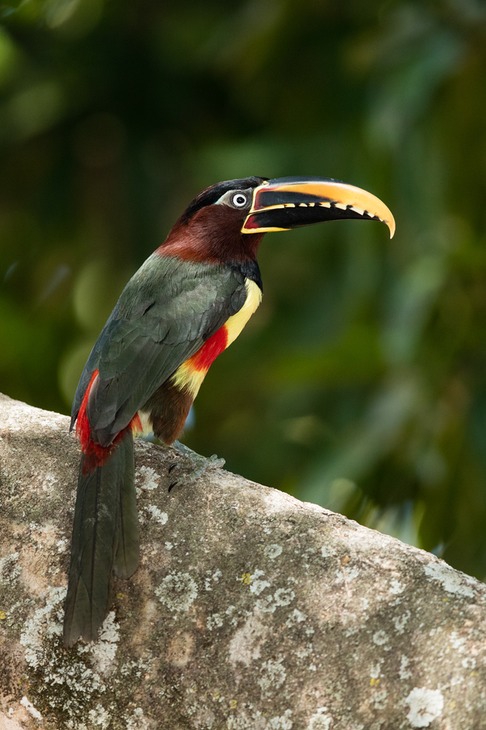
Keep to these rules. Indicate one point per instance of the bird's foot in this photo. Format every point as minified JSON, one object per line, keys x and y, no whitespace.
{"x":198,"y":465}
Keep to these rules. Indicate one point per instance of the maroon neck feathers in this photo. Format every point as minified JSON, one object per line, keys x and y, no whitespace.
{"x":212,"y":234}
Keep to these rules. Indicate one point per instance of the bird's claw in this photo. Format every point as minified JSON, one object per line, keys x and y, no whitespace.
{"x":199,"y":465}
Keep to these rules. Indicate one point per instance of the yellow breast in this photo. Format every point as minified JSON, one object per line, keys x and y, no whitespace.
{"x":236,"y":322}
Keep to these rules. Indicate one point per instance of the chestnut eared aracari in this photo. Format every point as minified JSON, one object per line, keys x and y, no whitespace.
{"x":183,"y":307}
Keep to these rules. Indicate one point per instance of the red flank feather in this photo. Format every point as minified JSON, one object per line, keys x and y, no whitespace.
{"x":208,"y":353}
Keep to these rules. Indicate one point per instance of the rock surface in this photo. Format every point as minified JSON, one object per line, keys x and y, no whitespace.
{"x":250,"y":609}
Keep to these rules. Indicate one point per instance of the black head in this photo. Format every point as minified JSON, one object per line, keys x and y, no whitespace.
{"x":218,"y":193}
{"x":210,"y":229}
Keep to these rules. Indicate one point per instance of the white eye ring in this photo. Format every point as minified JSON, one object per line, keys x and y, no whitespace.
{"x":239,"y":200}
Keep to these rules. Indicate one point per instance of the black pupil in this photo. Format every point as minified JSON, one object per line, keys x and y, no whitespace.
{"x":239,"y":199}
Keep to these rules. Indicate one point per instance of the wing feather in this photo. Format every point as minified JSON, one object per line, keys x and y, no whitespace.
{"x":164,"y":315}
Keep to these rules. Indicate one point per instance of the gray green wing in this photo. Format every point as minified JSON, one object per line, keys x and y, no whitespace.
{"x":164,"y":315}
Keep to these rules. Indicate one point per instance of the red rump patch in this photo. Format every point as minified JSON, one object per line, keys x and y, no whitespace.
{"x":208,"y":353}
{"x":95,"y":454}
{"x":83,"y":429}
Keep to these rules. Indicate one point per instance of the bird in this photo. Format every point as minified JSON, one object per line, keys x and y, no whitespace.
{"x":183,"y":307}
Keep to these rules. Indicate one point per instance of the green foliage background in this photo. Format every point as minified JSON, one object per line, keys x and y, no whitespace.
{"x":361,"y":382}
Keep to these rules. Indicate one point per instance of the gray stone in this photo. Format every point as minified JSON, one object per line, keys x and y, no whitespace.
{"x":250,"y":609}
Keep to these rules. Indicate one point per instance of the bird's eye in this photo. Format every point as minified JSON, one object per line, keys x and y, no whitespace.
{"x":239,"y":200}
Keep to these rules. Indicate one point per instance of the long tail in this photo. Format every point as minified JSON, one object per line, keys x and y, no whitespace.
{"x":105,"y":539}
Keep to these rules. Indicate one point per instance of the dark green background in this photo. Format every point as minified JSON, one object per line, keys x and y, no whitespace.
{"x":361,"y":382}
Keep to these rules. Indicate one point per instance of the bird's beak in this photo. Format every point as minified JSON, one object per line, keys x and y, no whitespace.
{"x":288,"y":202}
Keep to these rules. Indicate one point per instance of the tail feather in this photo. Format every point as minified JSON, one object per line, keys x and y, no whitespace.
{"x":127,"y":545}
{"x":105,"y":538}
